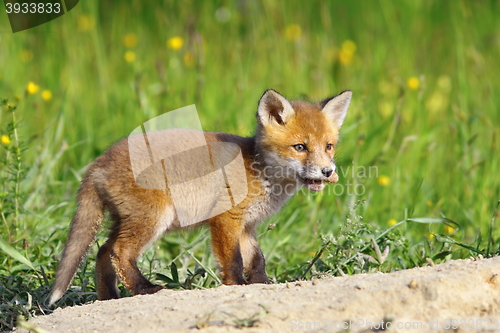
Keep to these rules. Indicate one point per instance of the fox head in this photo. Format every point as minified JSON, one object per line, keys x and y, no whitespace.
{"x":298,"y":138}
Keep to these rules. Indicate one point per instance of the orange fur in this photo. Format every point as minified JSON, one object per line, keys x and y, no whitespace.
{"x":293,"y":147}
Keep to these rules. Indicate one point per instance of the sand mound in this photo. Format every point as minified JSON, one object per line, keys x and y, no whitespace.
{"x":460,"y":295}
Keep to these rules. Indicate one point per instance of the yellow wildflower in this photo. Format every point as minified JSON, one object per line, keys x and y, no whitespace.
{"x":175,"y":43}
{"x":130,"y":40}
{"x":349,"y":46}
{"x":129,"y":56}
{"x":188,"y":59}
{"x":347,"y":52}
{"x":5,"y":140}
{"x":430,"y":236}
{"x":449,"y":230}
{"x":293,"y":32}
{"x":85,"y":23}
{"x":383,"y":180}
{"x":32,"y":88}
{"x":46,"y":95}
{"x":413,"y":83}
{"x":345,"y":58}
{"x":392,"y":222}
{"x":429,"y":203}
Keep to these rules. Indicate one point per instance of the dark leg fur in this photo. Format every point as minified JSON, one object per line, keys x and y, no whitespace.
{"x":226,"y":247}
{"x":253,"y":259}
{"x":233,"y":273}
{"x":256,"y":272}
{"x":106,"y":279}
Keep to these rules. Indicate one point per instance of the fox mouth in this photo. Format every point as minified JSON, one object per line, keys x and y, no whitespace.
{"x":314,"y":184}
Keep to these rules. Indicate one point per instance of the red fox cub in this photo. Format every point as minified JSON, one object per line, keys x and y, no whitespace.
{"x":293,"y":147}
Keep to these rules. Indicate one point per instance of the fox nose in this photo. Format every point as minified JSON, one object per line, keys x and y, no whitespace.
{"x":327,"y":172}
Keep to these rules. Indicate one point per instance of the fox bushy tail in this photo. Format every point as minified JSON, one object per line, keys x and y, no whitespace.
{"x":84,"y":227}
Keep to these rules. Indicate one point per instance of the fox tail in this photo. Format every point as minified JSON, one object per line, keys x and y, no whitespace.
{"x":84,"y":227}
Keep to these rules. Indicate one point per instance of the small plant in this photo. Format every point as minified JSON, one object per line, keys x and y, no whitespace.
{"x":361,"y":248}
{"x":20,"y":297}
{"x":380,"y":257}
{"x":174,"y":282}
{"x":12,"y":173}
{"x":202,"y":277}
{"x":20,"y":291}
{"x":479,"y":249}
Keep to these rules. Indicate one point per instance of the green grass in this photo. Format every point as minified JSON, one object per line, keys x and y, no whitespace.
{"x":433,"y":149}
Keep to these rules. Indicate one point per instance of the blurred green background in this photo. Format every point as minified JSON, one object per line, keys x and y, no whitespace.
{"x":424,"y":114}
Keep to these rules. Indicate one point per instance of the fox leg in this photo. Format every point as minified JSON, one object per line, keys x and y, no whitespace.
{"x":106,"y":279}
{"x":225,"y":243}
{"x":131,"y":240}
{"x":253,"y":260}
{"x":117,"y":258}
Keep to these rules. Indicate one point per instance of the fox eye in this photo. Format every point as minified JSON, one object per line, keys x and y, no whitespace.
{"x":329,"y":146}
{"x":300,"y":147}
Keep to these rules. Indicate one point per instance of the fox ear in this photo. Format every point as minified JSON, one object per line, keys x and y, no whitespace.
{"x":274,"y":107}
{"x":335,"y":108}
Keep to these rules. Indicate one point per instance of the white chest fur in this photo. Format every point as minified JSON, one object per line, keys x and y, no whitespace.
{"x":276,"y":193}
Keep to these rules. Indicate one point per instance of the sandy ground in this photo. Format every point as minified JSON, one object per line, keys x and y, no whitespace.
{"x":459,"y":296}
